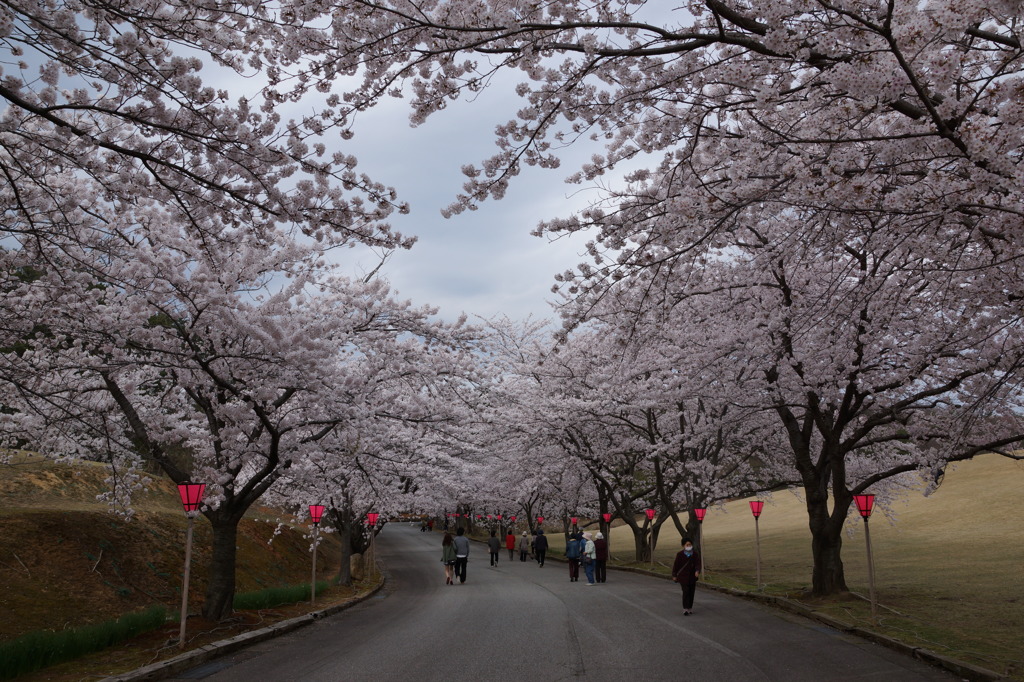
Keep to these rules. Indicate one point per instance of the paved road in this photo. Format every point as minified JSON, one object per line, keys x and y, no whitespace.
{"x":525,"y":623}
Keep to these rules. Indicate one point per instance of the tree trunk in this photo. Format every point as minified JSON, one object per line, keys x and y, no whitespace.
{"x":640,"y":537}
{"x":220,"y":591}
{"x":344,"y":576}
{"x":826,"y":545}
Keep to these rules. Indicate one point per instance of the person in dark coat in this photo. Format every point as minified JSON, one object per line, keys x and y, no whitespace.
{"x":572,"y":553}
{"x":540,"y":546}
{"x":601,"y":558}
{"x":494,"y":544}
{"x":448,"y":558}
{"x":685,"y":571}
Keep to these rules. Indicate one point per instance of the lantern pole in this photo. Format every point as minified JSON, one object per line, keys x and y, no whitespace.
{"x":700,"y":512}
{"x":191,"y":495}
{"x":650,"y":536}
{"x":864,"y":505}
{"x":184,"y":586}
{"x":312,"y":582}
{"x":755,"y":508}
{"x":372,"y":520}
{"x":608,"y":538}
{"x":315,"y":513}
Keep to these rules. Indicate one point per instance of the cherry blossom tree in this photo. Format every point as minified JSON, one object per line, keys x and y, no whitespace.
{"x":837,"y":202}
{"x":221,"y":365}
{"x":879,"y":351}
{"x":105,"y":109}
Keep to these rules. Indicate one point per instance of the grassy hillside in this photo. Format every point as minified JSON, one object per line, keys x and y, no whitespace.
{"x":948,"y":567}
{"x":65,"y":560}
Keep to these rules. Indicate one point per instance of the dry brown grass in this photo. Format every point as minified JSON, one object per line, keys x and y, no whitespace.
{"x":66,"y":561}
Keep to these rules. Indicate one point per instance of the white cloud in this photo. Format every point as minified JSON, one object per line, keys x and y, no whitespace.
{"x":482,"y":262}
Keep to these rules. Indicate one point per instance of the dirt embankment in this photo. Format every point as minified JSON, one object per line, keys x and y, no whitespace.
{"x":65,"y":560}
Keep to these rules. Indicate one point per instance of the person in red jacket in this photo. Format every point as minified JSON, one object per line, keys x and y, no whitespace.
{"x":510,"y":544}
{"x":685,"y":571}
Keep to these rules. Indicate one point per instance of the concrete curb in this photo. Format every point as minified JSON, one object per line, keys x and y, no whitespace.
{"x":190,"y":659}
{"x":965,"y":670}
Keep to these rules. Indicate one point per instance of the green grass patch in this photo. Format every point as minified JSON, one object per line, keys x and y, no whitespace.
{"x":40,"y":649}
{"x":276,"y":596}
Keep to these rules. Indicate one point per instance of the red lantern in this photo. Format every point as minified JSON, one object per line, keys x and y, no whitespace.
{"x":499,"y":517}
{"x":574,"y":520}
{"x":864,"y":504}
{"x":607,"y":518}
{"x":191,"y":495}
{"x":316,"y":512}
{"x":371,"y":518}
{"x":512,"y":519}
{"x":540,"y":519}
{"x":478,"y":517}
{"x":755,"y":508}
{"x":699,"y":512}
{"x":488,"y":516}
{"x":650,"y":514}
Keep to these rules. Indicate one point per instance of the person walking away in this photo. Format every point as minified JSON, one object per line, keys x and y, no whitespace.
{"x":524,"y":546}
{"x":448,"y":558}
{"x":461,"y":554}
{"x":510,"y":544}
{"x":572,"y":553}
{"x":589,"y":553}
{"x":685,"y":571}
{"x":494,"y":544}
{"x":540,"y":546}
{"x":600,"y":558}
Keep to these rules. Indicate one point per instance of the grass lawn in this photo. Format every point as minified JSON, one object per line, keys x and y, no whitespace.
{"x":948,"y":567}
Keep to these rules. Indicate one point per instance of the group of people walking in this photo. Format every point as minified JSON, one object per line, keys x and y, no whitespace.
{"x":581,"y":549}
{"x":591,"y":552}
{"x":455,"y":556}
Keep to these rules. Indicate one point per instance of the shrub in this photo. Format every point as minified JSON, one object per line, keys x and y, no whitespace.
{"x":43,"y":648}
{"x":276,"y":596}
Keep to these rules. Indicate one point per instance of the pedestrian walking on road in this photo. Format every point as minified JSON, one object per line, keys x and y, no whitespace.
{"x":540,"y":546}
{"x":510,"y":544}
{"x":573,"y":550}
{"x":589,"y":553}
{"x":494,"y":544}
{"x":524,"y":546}
{"x":685,"y":571}
{"x":461,"y":554}
{"x":600,"y":558}
{"x":448,"y":558}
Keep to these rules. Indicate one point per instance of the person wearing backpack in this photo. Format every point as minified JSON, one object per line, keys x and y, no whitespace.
{"x":572,"y":553}
{"x":524,"y":546}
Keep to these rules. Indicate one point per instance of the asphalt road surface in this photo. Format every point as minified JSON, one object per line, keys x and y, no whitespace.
{"x":520,"y":622}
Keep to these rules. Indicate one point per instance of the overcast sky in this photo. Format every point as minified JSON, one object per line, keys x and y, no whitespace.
{"x":482,"y":262}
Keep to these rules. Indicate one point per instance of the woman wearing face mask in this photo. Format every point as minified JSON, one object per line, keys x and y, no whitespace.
{"x":685,"y":571}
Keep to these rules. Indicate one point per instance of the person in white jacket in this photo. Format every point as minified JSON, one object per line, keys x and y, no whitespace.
{"x":589,"y":556}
